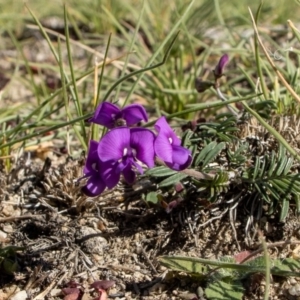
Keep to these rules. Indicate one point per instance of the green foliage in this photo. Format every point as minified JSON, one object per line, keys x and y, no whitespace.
{"x":211,"y":189}
{"x":232,"y":165}
{"x":223,"y":129}
{"x":271,"y":179}
{"x":225,"y":279}
{"x":152,"y":197}
{"x":160,"y":171}
{"x":172,"y":179}
{"x":208,"y":154}
{"x":8,"y":259}
{"x":264,"y":108}
{"x":224,"y":290}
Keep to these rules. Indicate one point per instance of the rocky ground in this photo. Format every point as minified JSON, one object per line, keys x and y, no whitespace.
{"x":65,"y":237}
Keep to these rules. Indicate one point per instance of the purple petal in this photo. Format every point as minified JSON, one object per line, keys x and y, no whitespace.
{"x":142,"y":141}
{"x":123,"y":164}
{"x":182,"y":158}
{"x":163,"y":148}
{"x":114,"y":144}
{"x":129,"y":174}
{"x":91,"y":164}
{"x":94,"y":186}
{"x":221,"y":65}
{"x":162,"y":127}
{"x":110,"y":174}
{"x":138,"y":167}
{"x":134,"y":113}
{"x":105,"y":114}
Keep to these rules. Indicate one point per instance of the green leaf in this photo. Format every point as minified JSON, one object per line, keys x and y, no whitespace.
{"x":204,"y":152}
{"x":284,"y":209}
{"x":152,"y":197}
{"x":256,"y":168}
{"x":183,"y":264}
{"x":9,"y":266}
{"x":192,"y":264}
{"x":281,"y":166}
{"x":225,"y":290}
{"x":286,"y":267}
{"x":297,"y":200}
{"x":160,"y":172}
{"x":212,"y":154}
{"x":288,"y":165}
{"x":172,"y":179}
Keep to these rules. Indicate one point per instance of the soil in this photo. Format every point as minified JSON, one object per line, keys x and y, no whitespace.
{"x":65,"y":237}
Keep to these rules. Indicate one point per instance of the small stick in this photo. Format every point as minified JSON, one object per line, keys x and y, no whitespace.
{"x":17,"y":218}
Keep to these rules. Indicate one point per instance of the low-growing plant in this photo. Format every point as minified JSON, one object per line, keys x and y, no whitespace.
{"x":226,"y":277}
{"x":8,"y":259}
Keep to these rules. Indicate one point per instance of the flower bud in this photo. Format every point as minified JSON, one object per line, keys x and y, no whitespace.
{"x":218,"y":72}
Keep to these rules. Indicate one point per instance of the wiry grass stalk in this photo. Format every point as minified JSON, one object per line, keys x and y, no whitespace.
{"x":73,"y":88}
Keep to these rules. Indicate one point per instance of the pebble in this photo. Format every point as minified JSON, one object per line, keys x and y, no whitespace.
{"x":3,"y":235}
{"x":8,"y":229}
{"x":93,"y":244}
{"x":19,"y":296}
{"x":200,"y":292}
{"x":55,"y":292}
{"x":295,"y":290}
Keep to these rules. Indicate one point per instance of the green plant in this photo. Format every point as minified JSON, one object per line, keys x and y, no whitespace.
{"x":8,"y":259}
{"x":225,"y":277}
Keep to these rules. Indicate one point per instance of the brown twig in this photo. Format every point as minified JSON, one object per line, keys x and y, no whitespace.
{"x":17,"y":218}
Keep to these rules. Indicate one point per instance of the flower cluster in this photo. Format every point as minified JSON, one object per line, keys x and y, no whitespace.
{"x":125,"y":148}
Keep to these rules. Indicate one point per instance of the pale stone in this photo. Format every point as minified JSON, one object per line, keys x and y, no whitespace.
{"x":19,"y":296}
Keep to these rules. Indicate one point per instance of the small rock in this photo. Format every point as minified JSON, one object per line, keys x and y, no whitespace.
{"x":8,"y":228}
{"x":8,"y":210}
{"x":200,"y":292}
{"x":94,"y":242}
{"x":19,"y":296}
{"x":297,"y":288}
{"x":292,"y":291}
{"x":3,"y":235}
{"x":55,"y":292}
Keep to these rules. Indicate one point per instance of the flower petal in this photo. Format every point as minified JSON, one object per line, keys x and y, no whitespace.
{"x":105,"y":114}
{"x":113,"y":144}
{"x":162,"y":127}
{"x":142,"y":141}
{"x":110,"y":174}
{"x":91,"y":164}
{"x":129,"y":174}
{"x":182,"y":158}
{"x":134,"y":113}
{"x":163,"y":148}
{"x":218,"y":72}
{"x":94,"y":186}
{"x":138,"y":167}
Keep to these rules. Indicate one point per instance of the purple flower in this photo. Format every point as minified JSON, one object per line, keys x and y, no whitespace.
{"x":218,"y":72}
{"x":92,"y":169}
{"x":167,"y":147}
{"x":123,"y":148}
{"x":110,"y":115}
